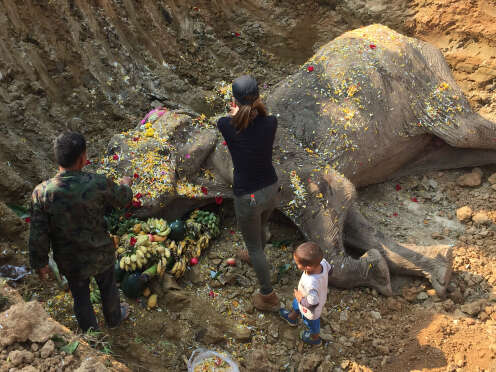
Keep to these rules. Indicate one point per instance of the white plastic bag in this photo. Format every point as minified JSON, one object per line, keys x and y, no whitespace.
{"x":200,"y":356}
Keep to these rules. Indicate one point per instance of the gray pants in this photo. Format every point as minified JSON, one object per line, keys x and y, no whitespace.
{"x":252,"y":215}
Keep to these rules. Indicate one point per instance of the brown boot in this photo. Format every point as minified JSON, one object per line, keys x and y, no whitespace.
{"x":268,"y":302}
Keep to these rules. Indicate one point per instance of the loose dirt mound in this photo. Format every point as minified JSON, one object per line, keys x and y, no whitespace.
{"x":27,"y":336}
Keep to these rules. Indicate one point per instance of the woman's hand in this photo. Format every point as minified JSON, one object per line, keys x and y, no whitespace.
{"x":234,"y":109}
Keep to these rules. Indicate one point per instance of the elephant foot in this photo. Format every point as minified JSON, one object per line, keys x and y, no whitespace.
{"x":377,"y":272}
{"x":371,"y":270}
{"x":437,"y":265}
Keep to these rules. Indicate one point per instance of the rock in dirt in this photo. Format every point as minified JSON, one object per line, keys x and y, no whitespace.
{"x":376,"y":315}
{"x":464,"y":213}
{"x":27,"y":321}
{"x":241,"y":334}
{"x":492,"y":179}
{"x":258,"y":360}
{"x":422,"y":296}
{"x":469,"y":180}
{"x":47,"y":349}
{"x":310,"y":362}
{"x":18,"y":357}
{"x":473,"y":308}
{"x":481,"y":218}
{"x":91,"y":365}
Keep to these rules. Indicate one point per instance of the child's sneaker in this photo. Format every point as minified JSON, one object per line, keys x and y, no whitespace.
{"x":285,"y":315}
{"x":307,"y":338}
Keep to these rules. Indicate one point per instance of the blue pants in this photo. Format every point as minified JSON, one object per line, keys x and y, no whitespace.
{"x":312,"y":325}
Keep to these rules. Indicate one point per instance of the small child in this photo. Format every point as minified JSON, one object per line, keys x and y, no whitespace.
{"x":311,"y":294}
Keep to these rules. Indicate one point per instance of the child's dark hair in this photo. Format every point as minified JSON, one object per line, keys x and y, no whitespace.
{"x":67,"y":147}
{"x":309,"y":254}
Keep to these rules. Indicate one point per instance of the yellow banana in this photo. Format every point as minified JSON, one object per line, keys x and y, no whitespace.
{"x":121,"y":264}
{"x":133,"y":258}
{"x":159,"y":266}
{"x":175,"y":267}
{"x":167,"y":252}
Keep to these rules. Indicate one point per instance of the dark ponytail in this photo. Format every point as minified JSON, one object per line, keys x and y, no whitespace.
{"x":247,"y":113}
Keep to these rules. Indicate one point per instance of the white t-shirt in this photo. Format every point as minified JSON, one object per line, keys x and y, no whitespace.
{"x":314,"y":288}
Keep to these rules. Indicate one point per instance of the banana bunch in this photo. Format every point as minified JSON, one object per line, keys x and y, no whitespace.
{"x":208,"y":221}
{"x":201,"y":244}
{"x":156,"y":226}
{"x":179,"y":267}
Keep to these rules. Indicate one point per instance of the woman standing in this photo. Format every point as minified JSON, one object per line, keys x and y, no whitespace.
{"x":249,"y":133}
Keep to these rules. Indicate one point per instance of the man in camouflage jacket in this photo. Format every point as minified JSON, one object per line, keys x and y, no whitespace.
{"x":67,"y":216}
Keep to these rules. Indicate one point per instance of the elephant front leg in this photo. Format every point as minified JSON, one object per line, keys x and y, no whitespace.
{"x":371,"y":270}
{"x":431,"y":262}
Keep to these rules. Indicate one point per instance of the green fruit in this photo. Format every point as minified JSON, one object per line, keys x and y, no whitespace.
{"x":133,"y":284}
{"x":178,"y":230}
{"x":119,"y":273}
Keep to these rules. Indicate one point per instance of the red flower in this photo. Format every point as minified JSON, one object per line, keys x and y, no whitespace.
{"x":128,"y":215}
{"x":132,"y":241}
{"x":237,"y":34}
{"x":310,"y":68}
{"x":115,"y":157}
{"x":136,"y":175}
{"x":136,"y":139}
{"x":27,"y":219}
{"x":414,"y":199}
{"x":397,"y":187}
{"x":88,"y":162}
{"x":137,"y":203}
{"x":372,"y":46}
{"x":224,"y":143}
{"x":233,"y":232}
{"x":211,"y":294}
{"x":138,"y":196}
{"x":218,"y":200}
{"x":204,"y":190}
{"x":193,"y":261}
{"x":395,"y":214}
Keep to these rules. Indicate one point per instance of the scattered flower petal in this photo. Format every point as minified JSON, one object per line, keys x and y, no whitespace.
{"x":372,"y":46}
{"x":395,"y":214}
{"x":414,"y":199}
{"x":397,"y":187}
{"x":310,"y":68}
{"x":27,"y":219}
{"x":187,"y":156}
{"x":115,"y":157}
{"x":218,"y":200}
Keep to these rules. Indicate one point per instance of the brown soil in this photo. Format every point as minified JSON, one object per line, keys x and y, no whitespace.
{"x":98,"y":67}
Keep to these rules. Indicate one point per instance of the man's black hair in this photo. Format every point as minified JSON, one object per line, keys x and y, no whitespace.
{"x":68,"y":147}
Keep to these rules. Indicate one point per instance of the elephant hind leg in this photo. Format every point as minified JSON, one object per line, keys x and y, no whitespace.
{"x":431,"y":262}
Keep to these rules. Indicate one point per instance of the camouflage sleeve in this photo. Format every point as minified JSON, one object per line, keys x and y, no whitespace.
{"x":118,"y":196}
{"x":39,"y":237}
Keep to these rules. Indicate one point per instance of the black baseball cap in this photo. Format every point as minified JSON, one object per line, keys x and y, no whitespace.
{"x":245,"y":89}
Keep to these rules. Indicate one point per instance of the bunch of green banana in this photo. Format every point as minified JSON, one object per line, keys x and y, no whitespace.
{"x":208,"y":220}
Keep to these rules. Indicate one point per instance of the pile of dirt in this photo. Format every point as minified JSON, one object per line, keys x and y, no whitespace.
{"x":28,"y":339}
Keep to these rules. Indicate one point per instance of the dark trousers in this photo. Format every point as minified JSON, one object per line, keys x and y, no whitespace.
{"x":253,"y":215}
{"x":83,"y":309}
